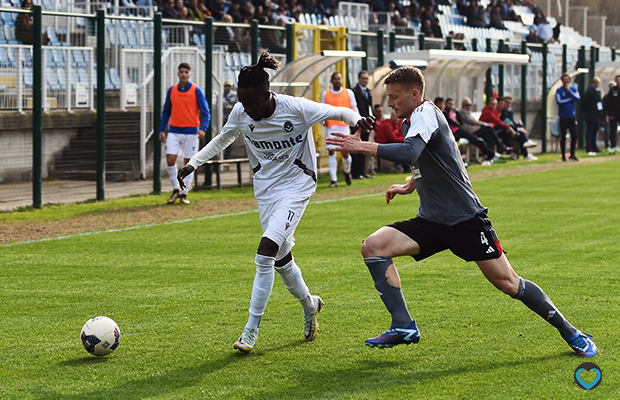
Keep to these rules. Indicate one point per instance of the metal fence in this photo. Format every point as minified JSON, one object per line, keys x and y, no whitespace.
{"x":101,"y":77}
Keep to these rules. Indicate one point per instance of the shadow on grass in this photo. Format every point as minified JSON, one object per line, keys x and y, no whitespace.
{"x":363,"y":377}
{"x":78,"y":362}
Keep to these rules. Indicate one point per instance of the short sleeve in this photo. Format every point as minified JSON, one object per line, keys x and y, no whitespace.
{"x":423,"y":122}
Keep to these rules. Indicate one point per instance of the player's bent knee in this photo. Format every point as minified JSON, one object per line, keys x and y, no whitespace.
{"x":507,"y":286}
{"x":372,"y":247}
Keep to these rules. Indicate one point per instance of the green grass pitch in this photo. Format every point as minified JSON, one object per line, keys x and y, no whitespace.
{"x":180,"y":294}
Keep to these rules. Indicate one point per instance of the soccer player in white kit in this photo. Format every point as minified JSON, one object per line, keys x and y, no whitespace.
{"x":276,"y":132}
{"x":341,"y":97}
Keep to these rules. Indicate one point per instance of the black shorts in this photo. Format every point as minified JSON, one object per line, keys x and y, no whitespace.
{"x":472,"y":240}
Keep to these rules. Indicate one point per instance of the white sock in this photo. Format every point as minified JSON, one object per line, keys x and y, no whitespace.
{"x":294,"y":282}
{"x":188,"y":183}
{"x":172,"y":174}
{"x":263,"y":283}
{"x":332,"y":163}
{"x":347,"y":164}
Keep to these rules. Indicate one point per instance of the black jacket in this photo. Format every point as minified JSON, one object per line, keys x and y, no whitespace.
{"x":612,"y":102}
{"x":364,"y":105}
{"x":590,"y":105}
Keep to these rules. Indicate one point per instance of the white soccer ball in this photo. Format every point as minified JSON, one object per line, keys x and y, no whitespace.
{"x":100,"y":336}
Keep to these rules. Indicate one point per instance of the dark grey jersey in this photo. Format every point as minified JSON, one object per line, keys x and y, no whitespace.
{"x":446,"y":195}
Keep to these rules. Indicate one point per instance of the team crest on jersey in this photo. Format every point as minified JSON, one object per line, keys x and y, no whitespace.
{"x":288,"y":126}
{"x":251,"y":126}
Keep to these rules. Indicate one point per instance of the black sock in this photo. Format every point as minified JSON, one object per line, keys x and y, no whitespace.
{"x":392,"y":296}
{"x":536,"y":300}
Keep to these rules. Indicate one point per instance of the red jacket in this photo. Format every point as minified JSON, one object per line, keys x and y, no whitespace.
{"x":491,"y":117}
{"x":387,"y":131}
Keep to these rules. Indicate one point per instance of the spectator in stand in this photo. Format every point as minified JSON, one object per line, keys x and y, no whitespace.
{"x":566,"y":96}
{"x":269,"y":38}
{"x":612,"y":111}
{"x":436,"y":28}
{"x":377,"y":6}
{"x":485,"y":14}
{"x":504,"y":105}
{"x":496,"y":19}
{"x":247,"y":11}
{"x":24,"y":32}
{"x":532,"y":38}
{"x":183,"y":16}
{"x":457,"y":130}
{"x":490,"y":115}
{"x":427,"y":15}
{"x":479,"y":128}
{"x":461,"y":7}
{"x":216,"y":7}
{"x":169,"y":12}
{"x":544,"y":31}
{"x":509,"y":13}
{"x":414,"y":13}
{"x":473,"y":16}
{"x":592,"y":108}
{"x":225,"y":36}
{"x":178,"y":4}
{"x":606,"y":119}
{"x":197,"y":11}
{"x":427,"y":28}
{"x":235,"y":11}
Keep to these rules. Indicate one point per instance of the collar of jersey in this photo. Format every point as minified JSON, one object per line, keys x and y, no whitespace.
{"x":187,"y":87}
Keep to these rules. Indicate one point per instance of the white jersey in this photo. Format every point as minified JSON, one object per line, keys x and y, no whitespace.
{"x":281,"y":147}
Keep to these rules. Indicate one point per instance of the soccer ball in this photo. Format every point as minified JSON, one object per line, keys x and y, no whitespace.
{"x":100,"y":336}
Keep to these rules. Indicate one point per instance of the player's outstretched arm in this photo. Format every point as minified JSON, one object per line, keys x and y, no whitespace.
{"x":408,"y":188}
{"x":183,"y":173}
{"x":352,"y":143}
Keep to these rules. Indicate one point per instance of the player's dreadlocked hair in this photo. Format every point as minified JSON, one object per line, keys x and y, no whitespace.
{"x":254,"y":76}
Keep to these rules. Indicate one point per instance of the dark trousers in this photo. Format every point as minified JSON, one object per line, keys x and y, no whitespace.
{"x":476,"y":141}
{"x":568,"y":124}
{"x":613,"y":131}
{"x":358,"y":161}
{"x":591,"y":134}
{"x":490,"y":137}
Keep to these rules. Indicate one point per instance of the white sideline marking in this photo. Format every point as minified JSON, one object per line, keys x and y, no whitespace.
{"x":128,"y":228}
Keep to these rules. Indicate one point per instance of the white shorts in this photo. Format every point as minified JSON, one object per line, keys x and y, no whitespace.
{"x":337,"y":128}
{"x":279,"y":221}
{"x":187,"y":144}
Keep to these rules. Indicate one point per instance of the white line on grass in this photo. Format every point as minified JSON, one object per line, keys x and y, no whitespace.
{"x":128,"y":228}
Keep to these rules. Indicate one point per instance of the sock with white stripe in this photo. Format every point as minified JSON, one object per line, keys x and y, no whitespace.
{"x":347,"y":164}
{"x":295,"y":284}
{"x":261,"y":290}
{"x":332,"y":163}
{"x":172,"y":174}
{"x":392,"y":296}
{"x":536,"y":300}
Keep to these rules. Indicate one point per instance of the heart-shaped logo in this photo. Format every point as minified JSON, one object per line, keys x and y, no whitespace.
{"x":585,"y":368}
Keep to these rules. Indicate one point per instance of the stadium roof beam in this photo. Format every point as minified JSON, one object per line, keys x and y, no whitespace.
{"x":296,"y":77}
{"x":444,"y":69}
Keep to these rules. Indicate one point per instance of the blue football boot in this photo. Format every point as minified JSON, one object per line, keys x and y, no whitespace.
{"x":395,"y":336}
{"x":582,"y":344}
